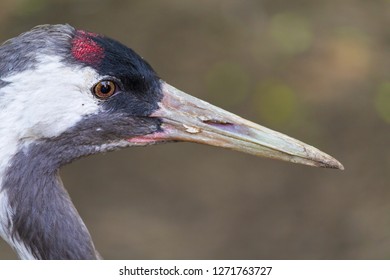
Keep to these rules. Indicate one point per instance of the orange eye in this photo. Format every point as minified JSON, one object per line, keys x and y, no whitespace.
{"x":104,"y":89}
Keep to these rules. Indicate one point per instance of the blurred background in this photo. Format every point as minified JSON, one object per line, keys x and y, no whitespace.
{"x":318,"y":71}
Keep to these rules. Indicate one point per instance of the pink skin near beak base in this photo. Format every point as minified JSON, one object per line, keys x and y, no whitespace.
{"x":149,"y":138}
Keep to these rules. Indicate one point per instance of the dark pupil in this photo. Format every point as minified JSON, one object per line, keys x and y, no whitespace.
{"x":105,"y":88}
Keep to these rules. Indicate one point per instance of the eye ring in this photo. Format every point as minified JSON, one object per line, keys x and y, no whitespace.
{"x":104,"y":89}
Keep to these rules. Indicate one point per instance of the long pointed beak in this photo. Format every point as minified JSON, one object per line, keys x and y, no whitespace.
{"x":186,"y":118}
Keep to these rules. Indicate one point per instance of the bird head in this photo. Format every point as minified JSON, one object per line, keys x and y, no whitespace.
{"x":77,"y":93}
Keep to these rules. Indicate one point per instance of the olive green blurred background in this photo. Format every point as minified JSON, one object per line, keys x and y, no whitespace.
{"x":316,"y":70}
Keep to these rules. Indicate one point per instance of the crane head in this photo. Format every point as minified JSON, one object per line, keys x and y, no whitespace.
{"x":79,"y":93}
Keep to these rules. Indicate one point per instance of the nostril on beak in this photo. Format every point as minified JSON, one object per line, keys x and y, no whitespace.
{"x":217,"y":123}
{"x":223,"y":125}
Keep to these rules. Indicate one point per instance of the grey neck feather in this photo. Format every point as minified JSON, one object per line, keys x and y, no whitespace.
{"x":44,"y":219}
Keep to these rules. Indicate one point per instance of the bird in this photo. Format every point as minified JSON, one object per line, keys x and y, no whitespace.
{"x":66,"y":93}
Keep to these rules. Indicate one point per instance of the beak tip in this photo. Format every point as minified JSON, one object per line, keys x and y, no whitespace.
{"x":332,"y":163}
{"x":337,"y":165}
{"x":318,"y":158}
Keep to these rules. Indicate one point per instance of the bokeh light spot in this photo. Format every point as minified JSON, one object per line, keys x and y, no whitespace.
{"x":276,"y":103}
{"x":291,"y":33}
{"x":227,"y":84}
{"x":382,"y":101}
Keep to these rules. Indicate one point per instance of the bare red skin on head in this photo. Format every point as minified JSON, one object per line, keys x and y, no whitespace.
{"x":85,"y":49}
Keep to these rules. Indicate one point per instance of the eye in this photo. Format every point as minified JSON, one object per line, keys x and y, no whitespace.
{"x":104,"y":89}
